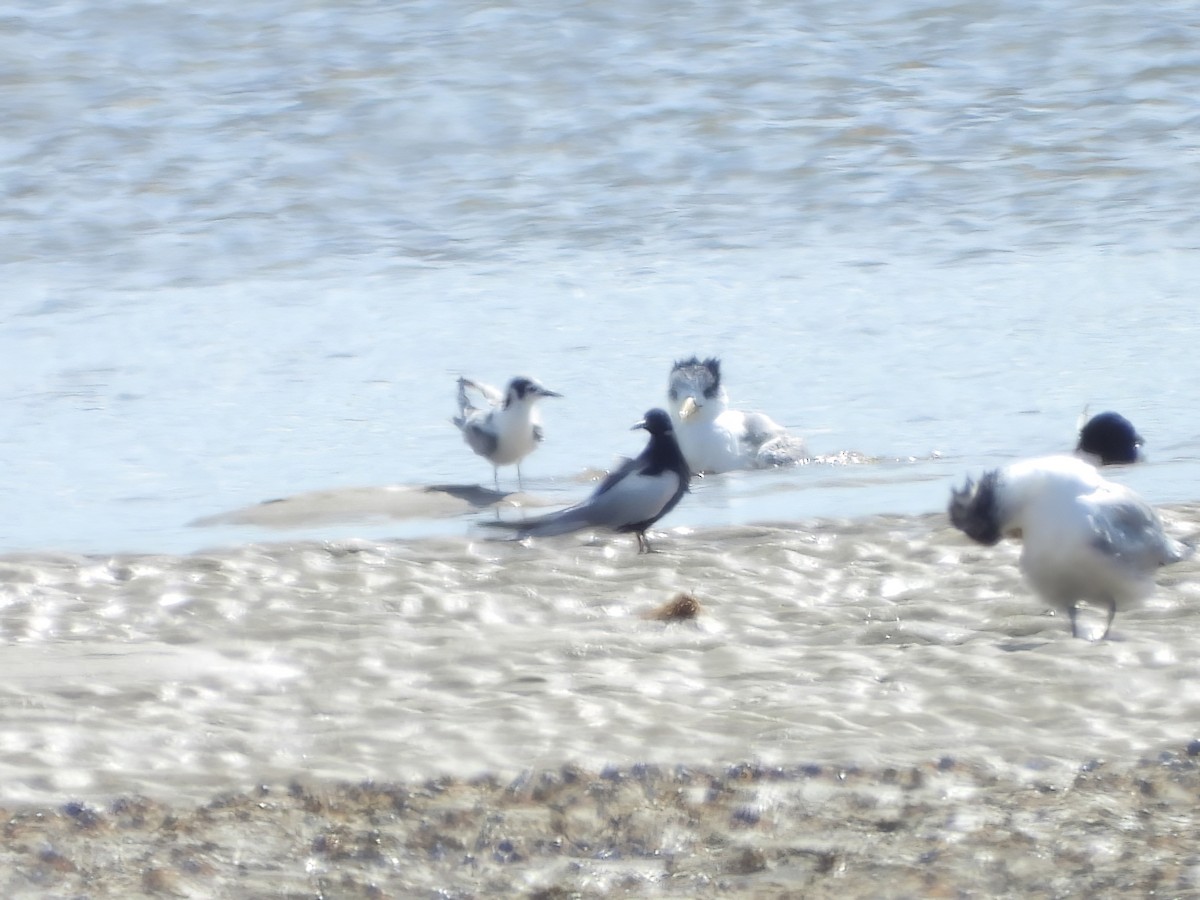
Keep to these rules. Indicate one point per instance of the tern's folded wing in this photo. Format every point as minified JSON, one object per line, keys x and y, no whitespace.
{"x":1127,"y":528}
{"x":760,"y":428}
{"x":479,"y":435}
{"x":631,"y":500}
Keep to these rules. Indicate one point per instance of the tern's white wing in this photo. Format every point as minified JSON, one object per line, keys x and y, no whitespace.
{"x":491,"y":396}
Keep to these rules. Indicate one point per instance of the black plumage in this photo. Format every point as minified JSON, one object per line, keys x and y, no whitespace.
{"x":631,"y":498}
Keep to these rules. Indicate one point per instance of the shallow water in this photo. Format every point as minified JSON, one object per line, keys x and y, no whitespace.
{"x":250,"y":247}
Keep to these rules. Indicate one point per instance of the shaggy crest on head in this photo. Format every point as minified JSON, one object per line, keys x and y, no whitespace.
{"x":694,"y":375}
{"x":717,"y":439}
{"x":1083,"y":538}
{"x":975,"y":510}
{"x":1111,"y":438}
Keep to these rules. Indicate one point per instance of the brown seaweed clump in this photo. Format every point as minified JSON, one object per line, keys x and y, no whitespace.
{"x":679,"y":608}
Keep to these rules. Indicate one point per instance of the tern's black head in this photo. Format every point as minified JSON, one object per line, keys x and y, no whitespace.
{"x":657,"y":422}
{"x":1111,"y":437}
{"x":975,"y":509}
{"x":662,"y":454}
{"x":520,"y":388}
{"x":695,"y":373}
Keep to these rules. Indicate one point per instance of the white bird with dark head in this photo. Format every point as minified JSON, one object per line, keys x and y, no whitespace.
{"x":507,"y":427}
{"x":1084,"y":538}
{"x":631,"y":498}
{"x":715,"y":438}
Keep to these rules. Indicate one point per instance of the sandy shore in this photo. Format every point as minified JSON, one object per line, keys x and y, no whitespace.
{"x":943,"y":829}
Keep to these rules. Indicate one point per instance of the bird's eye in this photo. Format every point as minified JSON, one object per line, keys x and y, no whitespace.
{"x":673,"y":394}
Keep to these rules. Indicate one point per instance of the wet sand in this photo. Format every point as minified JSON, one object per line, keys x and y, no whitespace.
{"x":942,"y":829}
{"x":914,"y":723}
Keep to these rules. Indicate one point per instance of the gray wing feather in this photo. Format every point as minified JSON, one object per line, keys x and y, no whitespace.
{"x":480,"y":439}
{"x":633,"y":499}
{"x":770,"y":442}
{"x":475,"y":424}
{"x":492,"y":396}
{"x":1129,"y":530}
{"x":760,"y":428}
{"x":572,"y":519}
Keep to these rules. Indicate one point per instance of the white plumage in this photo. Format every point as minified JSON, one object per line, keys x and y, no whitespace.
{"x":506,"y":428}
{"x":1084,"y":538}
{"x":717,"y":439}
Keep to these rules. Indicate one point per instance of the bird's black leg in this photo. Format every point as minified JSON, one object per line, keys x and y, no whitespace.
{"x":520,"y":484}
{"x":1073,"y":612}
{"x":1112,"y":612}
{"x":643,"y":543}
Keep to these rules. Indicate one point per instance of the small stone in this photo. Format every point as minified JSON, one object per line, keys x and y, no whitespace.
{"x":158,"y":881}
{"x":506,"y":852}
{"x":747,"y":862}
{"x":84,"y":816}
{"x":746,"y":815}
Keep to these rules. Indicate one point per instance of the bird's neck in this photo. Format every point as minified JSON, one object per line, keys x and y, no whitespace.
{"x":517,"y":415}
{"x":663,"y":453}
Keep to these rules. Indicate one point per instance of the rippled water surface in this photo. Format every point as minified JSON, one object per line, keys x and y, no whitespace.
{"x":249,"y":247}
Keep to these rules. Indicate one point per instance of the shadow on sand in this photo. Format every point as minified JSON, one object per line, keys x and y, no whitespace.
{"x":393,"y":502}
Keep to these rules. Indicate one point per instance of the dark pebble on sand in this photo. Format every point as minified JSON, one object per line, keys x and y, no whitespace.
{"x":748,"y":862}
{"x":84,"y":816}
{"x":571,"y":774}
{"x":746,"y":815}
{"x":506,"y":852}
